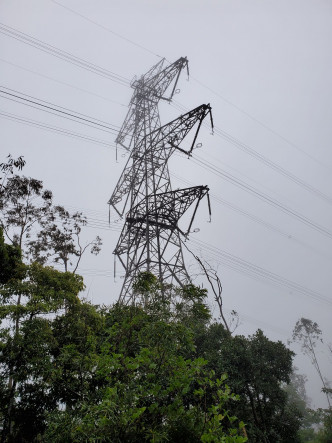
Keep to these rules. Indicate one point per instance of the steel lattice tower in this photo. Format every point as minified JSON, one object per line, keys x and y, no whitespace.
{"x":151,"y":238}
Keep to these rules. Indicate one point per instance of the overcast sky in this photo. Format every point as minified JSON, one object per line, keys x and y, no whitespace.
{"x":264,"y":66}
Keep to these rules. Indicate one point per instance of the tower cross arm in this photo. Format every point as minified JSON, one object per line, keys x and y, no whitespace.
{"x":159,"y":145}
{"x":150,"y":87}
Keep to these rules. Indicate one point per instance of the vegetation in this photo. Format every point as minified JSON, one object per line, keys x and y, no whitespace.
{"x":159,"y":371}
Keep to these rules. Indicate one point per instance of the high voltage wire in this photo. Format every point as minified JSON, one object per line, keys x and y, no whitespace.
{"x":91,"y":272}
{"x":60,"y":110}
{"x":92,"y":221}
{"x":86,"y":119}
{"x":126,"y":82}
{"x":64,"y":83}
{"x":55,"y":129}
{"x":106,"y":28}
{"x":222,"y":257}
{"x":245,"y":148}
{"x":256,"y":219}
{"x":272,"y":131}
{"x":132,"y":42}
{"x":264,"y":197}
{"x":229,"y":102}
{"x":197,"y":81}
{"x":255,"y":271}
{"x":102,"y":125}
{"x":232,"y":261}
{"x":267,"y":162}
{"x":10,"y":31}
{"x":95,"y":222}
{"x":249,"y":269}
{"x":56,"y":52}
{"x":200,"y":161}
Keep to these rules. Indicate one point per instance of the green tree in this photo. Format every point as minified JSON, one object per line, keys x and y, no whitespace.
{"x":8,"y":168}
{"x":121,"y":373}
{"x":324,"y":435}
{"x":257,"y":369}
{"x":59,"y":240}
{"x":26,"y":344}
{"x":308,"y":334}
{"x":10,"y":260}
{"x":138,"y":383}
{"x":44,"y":232}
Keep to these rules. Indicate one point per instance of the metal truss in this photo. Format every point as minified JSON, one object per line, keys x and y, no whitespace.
{"x":151,"y":237}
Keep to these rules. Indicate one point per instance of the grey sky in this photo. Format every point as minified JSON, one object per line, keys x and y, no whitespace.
{"x":266,"y":69}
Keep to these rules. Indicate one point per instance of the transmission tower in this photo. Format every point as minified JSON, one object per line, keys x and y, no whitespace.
{"x":151,"y":237}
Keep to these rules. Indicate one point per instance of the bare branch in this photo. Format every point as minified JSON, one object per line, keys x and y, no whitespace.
{"x":214,"y":281}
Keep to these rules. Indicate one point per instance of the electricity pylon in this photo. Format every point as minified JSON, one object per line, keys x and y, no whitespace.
{"x":151,"y":237}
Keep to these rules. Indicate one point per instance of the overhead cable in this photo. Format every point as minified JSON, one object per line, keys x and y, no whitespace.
{"x":59,"y":53}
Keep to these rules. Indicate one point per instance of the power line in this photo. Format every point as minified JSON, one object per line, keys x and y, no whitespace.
{"x":245,"y":148}
{"x":124,"y":81}
{"x":264,"y":197}
{"x":55,"y":129}
{"x":91,"y":222}
{"x":268,"y":128}
{"x":106,"y":28}
{"x":229,"y":102}
{"x":203,"y":163}
{"x":266,"y":161}
{"x":63,"y":83}
{"x":100,"y":124}
{"x":257,"y":272}
{"x":63,"y":55}
{"x":60,"y":110}
{"x":258,"y":220}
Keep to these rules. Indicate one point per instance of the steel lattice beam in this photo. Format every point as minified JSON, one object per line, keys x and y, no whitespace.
{"x":157,"y":147}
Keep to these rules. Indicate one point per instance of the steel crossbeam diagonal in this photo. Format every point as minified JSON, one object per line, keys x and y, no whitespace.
{"x":143,"y":107}
{"x":164,"y":212}
{"x":159,"y":146}
{"x":151,"y":239}
{"x":161,"y":221}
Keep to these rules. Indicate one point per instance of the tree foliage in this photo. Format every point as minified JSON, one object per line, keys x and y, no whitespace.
{"x":121,"y":373}
{"x":26,"y":342}
{"x":308,"y":334}
{"x":10,"y":260}
{"x":158,"y":371}
{"x":257,"y":369}
{"x":145,"y":388}
{"x":44,"y":232}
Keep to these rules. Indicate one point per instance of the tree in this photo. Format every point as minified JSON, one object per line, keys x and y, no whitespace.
{"x":257,"y":370}
{"x":24,"y":204}
{"x":10,"y":260}
{"x":141,"y":385}
{"x":297,"y":398}
{"x":30,"y":294}
{"x":8,"y":168}
{"x":307,"y":333}
{"x":59,"y":239}
{"x":215,"y":284}
{"x":44,"y":232}
{"x":324,"y":435}
{"x":26,"y":343}
{"x":120,"y":373}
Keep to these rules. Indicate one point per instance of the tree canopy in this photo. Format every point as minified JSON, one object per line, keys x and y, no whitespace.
{"x":159,"y":370}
